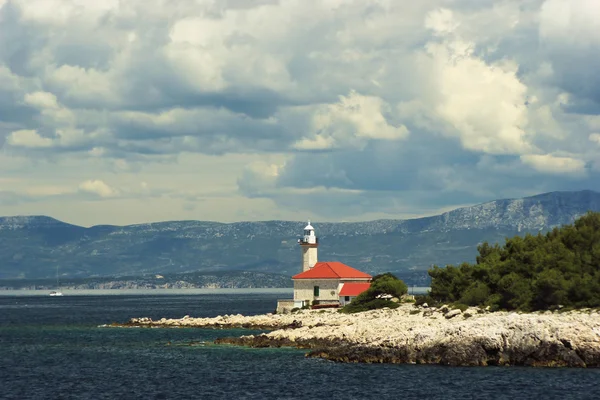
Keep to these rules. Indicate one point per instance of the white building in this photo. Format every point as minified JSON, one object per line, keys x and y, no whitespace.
{"x":323,"y":284}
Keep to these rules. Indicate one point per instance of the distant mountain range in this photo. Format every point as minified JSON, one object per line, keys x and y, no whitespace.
{"x":189,"y":280}
{"x":31,"y":247}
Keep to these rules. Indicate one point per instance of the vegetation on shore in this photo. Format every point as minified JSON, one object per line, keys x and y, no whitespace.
{"x":383,"y":289}
{"x":560,"y":269}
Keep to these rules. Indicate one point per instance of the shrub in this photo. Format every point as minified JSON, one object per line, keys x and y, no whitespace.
{"x":381,"y":285}
{"x":426,"y":298}
{"x":374,"y":304}
{"x":420,"y":300}
{"x":459,"y":306}
{"x":476,"y":294}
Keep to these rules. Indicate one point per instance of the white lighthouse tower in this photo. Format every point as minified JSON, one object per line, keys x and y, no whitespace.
{"x":309,"y":244}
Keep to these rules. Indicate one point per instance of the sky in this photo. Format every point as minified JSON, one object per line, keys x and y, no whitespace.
{"x":133,"y":111}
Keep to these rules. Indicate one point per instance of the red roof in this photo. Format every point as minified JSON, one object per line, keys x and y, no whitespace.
{"x":353,"y":289}
{"x":331,"y":270}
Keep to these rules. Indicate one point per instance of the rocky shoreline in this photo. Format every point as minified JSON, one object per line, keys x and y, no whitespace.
{"x":419,"y":335}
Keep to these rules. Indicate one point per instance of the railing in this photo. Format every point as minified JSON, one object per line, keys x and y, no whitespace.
{"x":301,"y":240}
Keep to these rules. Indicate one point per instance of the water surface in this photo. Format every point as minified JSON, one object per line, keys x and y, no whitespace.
{"x":52,"y":348}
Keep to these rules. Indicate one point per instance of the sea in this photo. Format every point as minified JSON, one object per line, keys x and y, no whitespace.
{"x":58,"y":348}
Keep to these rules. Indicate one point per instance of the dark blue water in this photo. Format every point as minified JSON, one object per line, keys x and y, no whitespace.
{"x":52,"y":348}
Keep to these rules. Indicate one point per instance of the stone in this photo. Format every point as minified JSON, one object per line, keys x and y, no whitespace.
{"x":453,"y":313}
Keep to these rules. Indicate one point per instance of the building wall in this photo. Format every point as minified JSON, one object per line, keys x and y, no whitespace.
{"x":343,"y":301}
{"x":309,"y":257}
{"x":285,"y":306}
{"x":328,"y":289}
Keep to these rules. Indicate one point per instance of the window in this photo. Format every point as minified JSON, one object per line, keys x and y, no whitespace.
{"x":347,"y":298}
{"x":316,"y":291}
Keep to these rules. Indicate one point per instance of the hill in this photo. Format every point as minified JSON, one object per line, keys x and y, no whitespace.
{"x":31,"y":247}
{"x":190,"y":280}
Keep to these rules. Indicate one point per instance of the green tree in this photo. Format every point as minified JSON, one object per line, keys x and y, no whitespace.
{"x":476,"y":294}
{"x":539,"y":271}
{"x":387,"y":284}
{"x":551,"y":289}
{"x":376,"y":296}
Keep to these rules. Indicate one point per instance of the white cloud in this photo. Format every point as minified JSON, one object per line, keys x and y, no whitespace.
{"x":41,"y":100}
{"x":260,"y":177}
{"x":548,"y":163}
{"x":59,"y":11}
{"x":570,"y":41}
{"x":573,"y":22}
{"x":28,"y":138}
{"x":277,"y":102}
{"x":98,"y":188}
{"x":9,"y":81}
{"x":317,"y":143}
{"x":197,"y":67}
{"x":64,"y":138}
{"x":97,"y":152}
{"x":595,"y":137}
{"x":48,"y":191}
{"x":350,"y":122}
{"x":89,"y":86}
{"x":480,"y":103}
{"x":441,"y":21}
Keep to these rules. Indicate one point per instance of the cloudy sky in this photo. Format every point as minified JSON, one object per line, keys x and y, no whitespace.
{"x":127,"y":111}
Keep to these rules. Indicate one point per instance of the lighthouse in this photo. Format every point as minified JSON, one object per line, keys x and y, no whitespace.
{"x":324,"y":283}
{"x":309,"y":243}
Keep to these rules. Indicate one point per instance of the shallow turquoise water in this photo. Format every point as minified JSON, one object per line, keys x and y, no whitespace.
{"x":52,"y":348}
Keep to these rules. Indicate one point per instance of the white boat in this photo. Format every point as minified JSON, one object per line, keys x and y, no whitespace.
{"x":56,"y":292}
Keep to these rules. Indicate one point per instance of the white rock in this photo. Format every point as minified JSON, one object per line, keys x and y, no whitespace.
{"x":498,"y":330}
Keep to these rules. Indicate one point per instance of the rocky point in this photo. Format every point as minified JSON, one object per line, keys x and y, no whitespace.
{"x":423,"y":335}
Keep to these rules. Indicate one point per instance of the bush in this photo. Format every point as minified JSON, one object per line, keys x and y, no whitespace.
{"x":459,"y":306}
{"x":381,"y":285}
{"x":421,"y":299}
{"x":476,"y":294}
{"x":387,"y":284}
{"x":426,"y":298}
{"x":374,"y":304}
